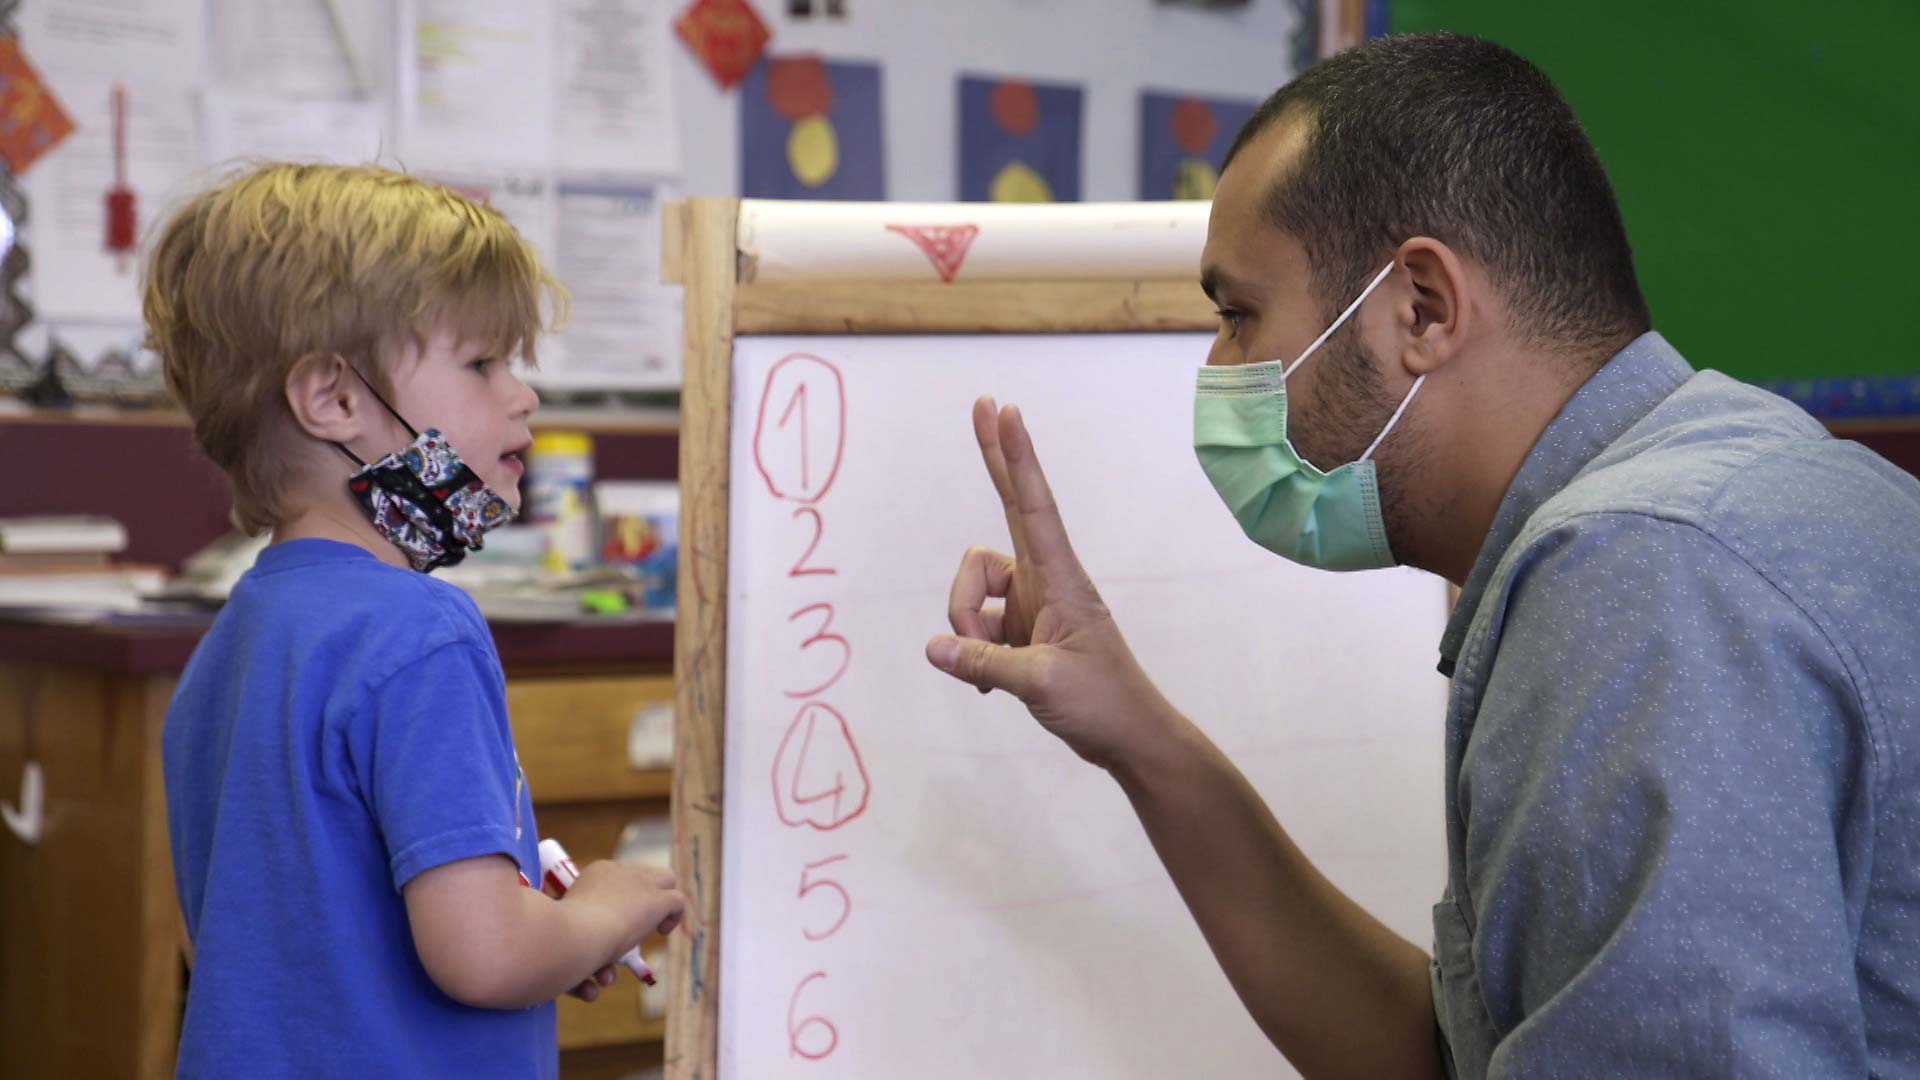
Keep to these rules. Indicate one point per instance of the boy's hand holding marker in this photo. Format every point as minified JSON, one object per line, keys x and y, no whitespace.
{"x":560,"y":878}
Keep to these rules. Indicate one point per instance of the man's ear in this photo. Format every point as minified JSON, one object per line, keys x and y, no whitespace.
{"x":1434,"y":308}
{"x":326,"y":398}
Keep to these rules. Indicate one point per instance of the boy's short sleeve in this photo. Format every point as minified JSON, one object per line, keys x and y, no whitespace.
{"x":440,"y":775}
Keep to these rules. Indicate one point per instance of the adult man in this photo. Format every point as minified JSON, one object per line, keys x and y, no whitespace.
{"x":1683,"y":827}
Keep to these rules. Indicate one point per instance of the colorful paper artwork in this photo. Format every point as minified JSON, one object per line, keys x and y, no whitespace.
{"x":1182,"y":142}
{"x":1019,"y":141}
{"x":810,"y":129}
{"x":31,"y":120}
{"x":727,"y":36}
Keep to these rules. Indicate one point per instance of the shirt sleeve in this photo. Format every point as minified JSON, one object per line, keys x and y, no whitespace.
{"x":441,"y":776}
{"x":1663,"y":785}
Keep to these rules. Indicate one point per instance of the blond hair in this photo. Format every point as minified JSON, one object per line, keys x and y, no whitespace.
{"x":285,"y":261}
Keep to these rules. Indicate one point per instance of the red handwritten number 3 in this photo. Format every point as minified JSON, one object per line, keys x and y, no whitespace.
{"x":846,"y":650}
{"x":794,"y":1030}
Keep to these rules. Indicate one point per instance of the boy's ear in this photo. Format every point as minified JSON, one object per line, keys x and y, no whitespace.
{"x":324,"y":398}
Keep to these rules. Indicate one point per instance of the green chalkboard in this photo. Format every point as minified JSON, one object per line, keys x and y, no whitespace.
{"x":1767,"y":160}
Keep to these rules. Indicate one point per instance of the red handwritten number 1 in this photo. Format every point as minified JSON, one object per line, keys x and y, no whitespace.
{"x":799,"y":400}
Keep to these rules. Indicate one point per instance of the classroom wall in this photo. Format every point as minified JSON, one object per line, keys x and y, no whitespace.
{"x":1114,"y":48}
{"x":1764,"y":156}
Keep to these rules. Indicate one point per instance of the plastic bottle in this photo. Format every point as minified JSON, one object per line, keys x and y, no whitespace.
{"x":559,"y":498}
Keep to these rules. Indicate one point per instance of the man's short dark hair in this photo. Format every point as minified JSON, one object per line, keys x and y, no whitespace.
{"x":1456,"y":138}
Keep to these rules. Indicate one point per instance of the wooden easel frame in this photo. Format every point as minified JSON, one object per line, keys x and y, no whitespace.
{"x":700,"y":251}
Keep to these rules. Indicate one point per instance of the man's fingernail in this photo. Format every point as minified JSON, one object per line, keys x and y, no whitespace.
{"x":944,"y":652}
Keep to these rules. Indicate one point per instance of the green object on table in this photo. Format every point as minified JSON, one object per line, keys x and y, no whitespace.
{"x":603,"y":601}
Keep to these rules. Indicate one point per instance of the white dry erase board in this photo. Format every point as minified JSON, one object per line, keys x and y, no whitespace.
{"x":914,"y":880}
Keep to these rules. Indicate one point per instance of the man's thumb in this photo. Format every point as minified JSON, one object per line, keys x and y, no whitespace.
{"x":989,"y":667}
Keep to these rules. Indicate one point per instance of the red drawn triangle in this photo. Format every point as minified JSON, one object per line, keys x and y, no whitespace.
{"x":945,"y":245}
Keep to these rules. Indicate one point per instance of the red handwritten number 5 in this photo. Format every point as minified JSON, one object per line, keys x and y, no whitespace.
{"x":794,"y":1030}
{"x":846,"y":902}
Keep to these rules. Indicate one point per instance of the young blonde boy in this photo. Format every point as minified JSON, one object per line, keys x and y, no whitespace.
{"x":352,"y":836}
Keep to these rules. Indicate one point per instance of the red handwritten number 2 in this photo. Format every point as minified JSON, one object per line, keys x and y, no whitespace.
{"x":800,"y":567}
{"x":799,"y":400}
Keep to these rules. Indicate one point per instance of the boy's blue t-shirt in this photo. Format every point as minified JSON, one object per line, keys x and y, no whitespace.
{"x":341,"y":728}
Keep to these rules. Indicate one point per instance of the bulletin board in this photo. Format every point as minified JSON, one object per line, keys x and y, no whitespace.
{"x":580,"y":118}
{"x":1764,"y":157}
{"x":552,"y":112}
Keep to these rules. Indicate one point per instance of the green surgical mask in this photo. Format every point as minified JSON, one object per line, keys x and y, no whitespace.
{"x":1327,"y":520}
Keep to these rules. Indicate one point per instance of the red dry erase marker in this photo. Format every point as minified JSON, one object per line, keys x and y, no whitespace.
{"x":557,"y":872}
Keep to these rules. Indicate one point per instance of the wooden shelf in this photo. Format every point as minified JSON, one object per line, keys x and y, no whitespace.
{"x":592,"y":421}
{"x":162,"y":645}
{"x":614,"y":1020}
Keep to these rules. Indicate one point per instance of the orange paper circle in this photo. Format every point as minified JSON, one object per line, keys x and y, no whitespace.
{"x":1193,"y":125}
{"x":1014,"y":107}
{"x":797,"y":87}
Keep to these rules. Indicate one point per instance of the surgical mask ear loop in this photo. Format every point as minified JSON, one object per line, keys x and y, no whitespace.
{"x":1404,"y":402}
{"x":1328,"y":332}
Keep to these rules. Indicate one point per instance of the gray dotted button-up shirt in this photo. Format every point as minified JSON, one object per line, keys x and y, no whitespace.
{"x":1683,"y":812}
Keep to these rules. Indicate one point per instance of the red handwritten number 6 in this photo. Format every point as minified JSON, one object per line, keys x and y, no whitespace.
{"x":793,"y":1030}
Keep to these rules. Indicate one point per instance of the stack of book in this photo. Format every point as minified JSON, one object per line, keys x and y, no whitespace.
{"x":69,"y":563}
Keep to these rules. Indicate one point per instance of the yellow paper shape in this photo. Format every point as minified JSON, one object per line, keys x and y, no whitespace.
{"x":813,"y":151}
{"x":1018,"y":183}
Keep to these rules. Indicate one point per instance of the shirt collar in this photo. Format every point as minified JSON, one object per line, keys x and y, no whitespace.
{"x":1613,"y":399}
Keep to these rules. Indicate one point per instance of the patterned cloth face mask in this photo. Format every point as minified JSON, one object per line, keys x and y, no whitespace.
{"x":423,"y":499}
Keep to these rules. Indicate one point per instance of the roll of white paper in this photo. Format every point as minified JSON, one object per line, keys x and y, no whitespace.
{"x":826,"y":241}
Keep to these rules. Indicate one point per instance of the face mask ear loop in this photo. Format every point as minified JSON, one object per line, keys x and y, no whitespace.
{"x":383,"y":401}
{"x":1404,"y":402}
{"x":1351,"y":308}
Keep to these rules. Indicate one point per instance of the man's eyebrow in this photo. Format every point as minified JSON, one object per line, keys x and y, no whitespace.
{"x":1210,"y":283}
{"x":1213,"y":279}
